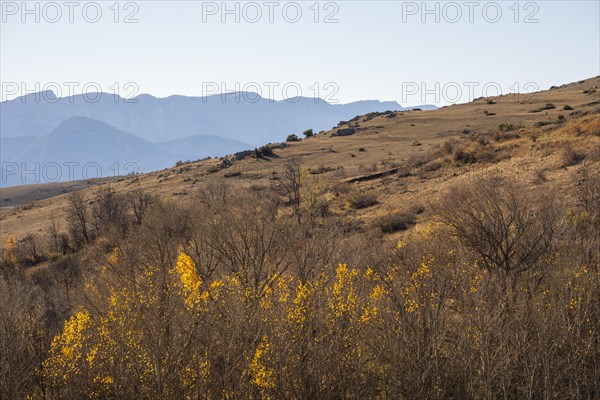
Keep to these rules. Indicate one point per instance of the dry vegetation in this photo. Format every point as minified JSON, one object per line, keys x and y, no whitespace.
{"x":468,"y":269}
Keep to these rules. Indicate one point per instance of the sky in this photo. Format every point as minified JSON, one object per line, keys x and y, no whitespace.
{"x":342,"y":51}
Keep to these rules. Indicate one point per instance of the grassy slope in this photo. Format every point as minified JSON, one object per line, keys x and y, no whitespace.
{"x":388,"y":143}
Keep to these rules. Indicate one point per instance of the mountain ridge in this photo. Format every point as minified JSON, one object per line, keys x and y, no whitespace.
{"x":86,"y":141}
{"x":174,"y":117}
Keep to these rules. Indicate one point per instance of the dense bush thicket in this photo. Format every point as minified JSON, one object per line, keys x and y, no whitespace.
{"x":231,"y":295}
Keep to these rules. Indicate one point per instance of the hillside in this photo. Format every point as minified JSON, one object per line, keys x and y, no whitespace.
{"x":419,"y":254}
{"x":400,"y":143}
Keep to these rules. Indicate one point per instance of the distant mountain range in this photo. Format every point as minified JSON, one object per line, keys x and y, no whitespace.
{"x":151,"y":132}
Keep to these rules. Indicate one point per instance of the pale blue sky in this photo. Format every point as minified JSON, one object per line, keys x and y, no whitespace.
{"x":377,"y":50}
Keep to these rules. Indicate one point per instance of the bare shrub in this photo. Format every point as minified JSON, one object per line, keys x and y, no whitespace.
{"x":510,"y":227}
{"x":290,"y":184}
{"x":109,"y":212}
{"x":139,"y":201}
{"x":22,"y":339}
{"x":474,"y":152}
{"x":396,"y":221}
{"x":342,"y":188}
{"x":570,"y":156}
{"x":66,"y":271}
{"x":363,"y":200}
{"x":586,"y":215}
{"x":78,"y":218}
{"x":30,"y":251}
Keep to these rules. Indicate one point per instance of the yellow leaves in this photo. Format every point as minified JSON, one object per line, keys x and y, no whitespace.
{"x":368,"y":314}
{"x":378,"y":292}
{"x":476,"y":280}
{"x":579,"y":287}
{"x":284,"y":283}
{"x":9,"y":250}
{"x":573,"y":303}
{"x":115,"y":256}
{"x":298,"y":311}
{"x":190,"y":282}
{"x":344,"y":299}
{"x":423,"y":271}
{"x":10,"y":243}
{"x":197,"y":373}
{"x":66,"y":349}
{"x":91,"y":355}
{"x":263,"y":377}
{"x":582,"y":272}
{"x":215,"y":289}
{"x":426,"y":230}
{"x":73,"y":331}
{"x":410,"y":305}
{"x":421,"y":275}
{"x":232,"y":282}
{"x":265,"y":300}
{"x":114,"y":301}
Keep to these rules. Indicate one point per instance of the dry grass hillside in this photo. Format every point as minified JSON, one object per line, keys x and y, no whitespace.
{"x":393,"y":160}
{"x":451,"y":254}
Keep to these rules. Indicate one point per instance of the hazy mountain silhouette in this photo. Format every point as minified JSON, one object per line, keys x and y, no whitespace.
{"x":95,"y":149}
{"x":86,"y":144}
{"x":11,"y":146}
{"x":153,"y":133}
{"x":243,"y":116}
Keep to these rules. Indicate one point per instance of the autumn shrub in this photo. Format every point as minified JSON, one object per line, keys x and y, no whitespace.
{"x":321,"y":169}
{"x":342,"y":188}
{"x":473,"y":152}
{"x":418,"y":160}
{"x":396,"y":221}
{"x":587,"y":126}
{"x":502,"y":135}
{"x":570,"y":156}
{"x":363,"y":200}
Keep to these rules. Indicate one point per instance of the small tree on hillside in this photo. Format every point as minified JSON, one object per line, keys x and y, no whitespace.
{"x":508,"y":227}
{"x":78,"y":218}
